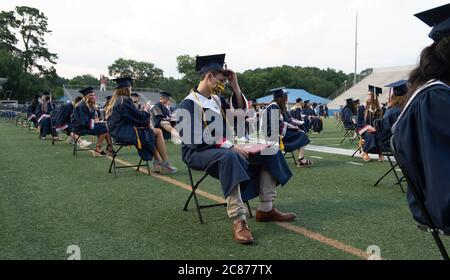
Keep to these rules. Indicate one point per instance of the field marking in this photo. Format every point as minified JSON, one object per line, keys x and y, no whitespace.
{"x":316,"y":157}
{"x":296,"y":229}
{"x":355,"y":163}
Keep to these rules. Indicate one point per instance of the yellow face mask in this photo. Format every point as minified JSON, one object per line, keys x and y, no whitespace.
{"x":218,"y":88}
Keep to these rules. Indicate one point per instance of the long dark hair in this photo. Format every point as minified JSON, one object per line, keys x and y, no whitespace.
{"x":434,"y":64}
{"x":281,"y":102}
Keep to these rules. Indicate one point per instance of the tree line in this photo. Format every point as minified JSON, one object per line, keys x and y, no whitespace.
{"x":29,"y":66}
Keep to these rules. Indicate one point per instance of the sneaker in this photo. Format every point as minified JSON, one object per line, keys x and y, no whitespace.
{"x":156,"y":166}
{"x":84,"y":144}
{"x":167,"y":168}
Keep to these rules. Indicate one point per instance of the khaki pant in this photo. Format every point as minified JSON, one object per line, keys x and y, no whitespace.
{"x":267,"y":193}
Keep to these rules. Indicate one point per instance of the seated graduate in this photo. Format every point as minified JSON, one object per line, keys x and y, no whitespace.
{"x":31,"y":110}
{"x":373,"y":107}
{"x":162,"y":116}
{"x":307,"y":111}
{"x":136,"y":100}
{"x":360,"y":115}
{"x":347,"y":114}
{"x":422,"y":133}
{"x":85,"y":121}
{"x":63,"y":122}
{"x":130,"y":125}
{"x":296,"y":114}
{"x":292,"y":138}
{"x":376,"y":139}
{"x":242,"y":176}
{"x":43,"y":116}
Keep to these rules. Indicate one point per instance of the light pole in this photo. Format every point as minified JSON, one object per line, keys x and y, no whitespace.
{"x":356,"y":51}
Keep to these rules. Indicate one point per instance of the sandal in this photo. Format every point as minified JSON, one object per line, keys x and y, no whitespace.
{"x":306,"y":163}
{"x":99,"y":152}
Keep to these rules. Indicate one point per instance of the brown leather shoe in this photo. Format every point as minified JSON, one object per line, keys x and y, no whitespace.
{"x":241,"y":233}
{"x":274,"y":216}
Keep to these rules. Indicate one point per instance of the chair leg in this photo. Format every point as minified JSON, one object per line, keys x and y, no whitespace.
{"x":75,"y":145}
{"x":148,"y":169}
{"x":139,"y":165}
{"x":250,"y":214}
{"x":399,"y":181}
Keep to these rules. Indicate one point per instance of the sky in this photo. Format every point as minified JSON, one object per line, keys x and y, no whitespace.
{"x":90,"y":35}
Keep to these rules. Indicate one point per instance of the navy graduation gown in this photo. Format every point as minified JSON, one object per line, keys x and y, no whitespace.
{"x":160,"y":113}
{"x":31,"y":116}
{"x":360,"y":120}
{"x":347,"y":118}
{"x":63,"y":117}
{"x":292,"y":139}
{"x":422,"y":144}
{"x":43,"y":118}
{"x":127,"y":124}
{"x":376,"y":143}
{"x":83,"y":121}
{"x":223,"y":163}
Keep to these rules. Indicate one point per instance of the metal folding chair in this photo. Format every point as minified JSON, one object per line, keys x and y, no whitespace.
{"x":114,"y":166}
{"x":193,"y":194}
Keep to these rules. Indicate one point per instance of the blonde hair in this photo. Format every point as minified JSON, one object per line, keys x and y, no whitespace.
{"x":396,"y":101}
{"x":118,"y":94}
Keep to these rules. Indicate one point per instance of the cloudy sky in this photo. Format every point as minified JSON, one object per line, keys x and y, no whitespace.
{"x":89,"y":35}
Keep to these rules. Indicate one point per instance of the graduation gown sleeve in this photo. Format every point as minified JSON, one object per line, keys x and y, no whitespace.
{"x":422,"y":144}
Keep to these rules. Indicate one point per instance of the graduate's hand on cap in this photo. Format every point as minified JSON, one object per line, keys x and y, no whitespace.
{"x":241,"y":151}
{"x":232,"y":79}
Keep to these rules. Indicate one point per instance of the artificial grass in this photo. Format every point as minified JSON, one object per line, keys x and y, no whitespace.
{"x":50,"y":200}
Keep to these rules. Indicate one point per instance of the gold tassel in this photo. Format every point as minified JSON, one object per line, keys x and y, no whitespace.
{"x":281,"y":144}
{"x":138,"y":139}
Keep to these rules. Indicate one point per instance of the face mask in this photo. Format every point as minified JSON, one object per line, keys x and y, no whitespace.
{"x":218,"y":88}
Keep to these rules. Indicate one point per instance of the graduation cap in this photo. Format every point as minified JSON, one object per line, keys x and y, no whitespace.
{"x":298,"y":100}
{"x":375,"y":90}
{"x":208,"y":63}
{"x":87,"y":91}
{"x":306,"y":101}
{"x":36,"y":96}
{"x":279,"y":92}
{"x":356,"y":101}
{"x":166,"y":95}
{"x":400,"y":88}
{"x":349,"y":100}
{"x":439,"y":19}
{"x":108,"y":97}
{"x":135,"y":94}
{"x":123,"y":82}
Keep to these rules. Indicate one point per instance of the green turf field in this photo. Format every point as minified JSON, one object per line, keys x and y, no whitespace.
{"x":50,"y":200}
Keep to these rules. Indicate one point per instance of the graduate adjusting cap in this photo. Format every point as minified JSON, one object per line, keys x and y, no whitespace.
{"x":439,"y":19}
{"x":279,"y":92}
{"x":87,"y":91}
{"x":208,"y":63}
{"x":123,"y":82}
{"x":400,"y":88}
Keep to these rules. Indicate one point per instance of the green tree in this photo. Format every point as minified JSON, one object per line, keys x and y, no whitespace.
{"x":186,"y":67}
{"x":8,"y":39}
{"x":32,"y":27}
{"x":145,"y":74}
{"x":21,"y":85}
{"x":84,"y":81}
